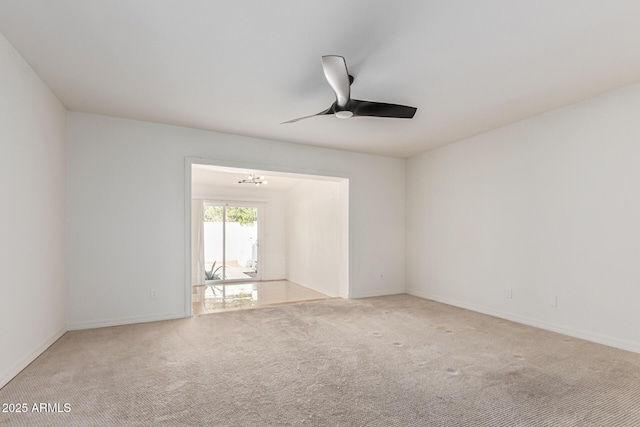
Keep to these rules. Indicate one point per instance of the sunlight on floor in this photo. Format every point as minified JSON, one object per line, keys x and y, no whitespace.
{"x":213,"y":298}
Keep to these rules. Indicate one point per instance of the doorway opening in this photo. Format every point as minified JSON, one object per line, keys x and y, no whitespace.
{"x":284,"y":241}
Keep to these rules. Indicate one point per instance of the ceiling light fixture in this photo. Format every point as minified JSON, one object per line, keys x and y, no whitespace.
{"x":338,"y":77}
{"x":253,"y":179}
{"x":344,"y":114}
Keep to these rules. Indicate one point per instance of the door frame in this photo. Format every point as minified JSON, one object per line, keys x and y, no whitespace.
{"x":346,"y":178}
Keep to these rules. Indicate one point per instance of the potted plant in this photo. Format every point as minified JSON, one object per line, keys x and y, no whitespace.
{"x":213,"y":273}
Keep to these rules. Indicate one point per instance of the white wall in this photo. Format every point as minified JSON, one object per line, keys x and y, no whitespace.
{"x":129,"y":176}
{"x":273,"y":262}
{"x":32,"y":187}
{"x":317,"y":252}
{"x":547,"y":207}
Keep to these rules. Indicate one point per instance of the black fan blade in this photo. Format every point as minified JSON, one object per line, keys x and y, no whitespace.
{"x":335,"y":71}
{"x":381,"y":109}
{"x":322,"y":113}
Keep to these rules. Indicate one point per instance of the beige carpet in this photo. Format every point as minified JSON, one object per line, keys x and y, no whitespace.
{"x":389,"y":361}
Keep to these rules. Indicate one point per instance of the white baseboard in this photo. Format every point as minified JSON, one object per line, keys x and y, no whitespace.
{"x":378,"y":293}
{"x":14,"y":370}
{"x":104,"y":323}
{"x":577,"y":333}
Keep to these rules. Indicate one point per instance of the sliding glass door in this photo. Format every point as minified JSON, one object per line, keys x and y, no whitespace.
{"x":230,"y":242}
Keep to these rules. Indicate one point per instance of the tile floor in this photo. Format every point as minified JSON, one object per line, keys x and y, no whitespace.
{"x":236,"y":296}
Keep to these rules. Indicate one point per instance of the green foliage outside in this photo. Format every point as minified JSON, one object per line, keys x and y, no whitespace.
{"x":234,"y":214}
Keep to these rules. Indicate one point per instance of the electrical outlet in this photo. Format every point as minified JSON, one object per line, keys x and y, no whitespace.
{"x":509,"y":293}
{"x":154,"y":293}
{"x":553,"y":301}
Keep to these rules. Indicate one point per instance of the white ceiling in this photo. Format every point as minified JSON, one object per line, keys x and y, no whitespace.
{"x":228,"y":178}
{"x":244,"y":67}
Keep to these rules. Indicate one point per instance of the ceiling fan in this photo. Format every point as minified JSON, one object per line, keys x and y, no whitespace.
{"x":335,"y":70}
